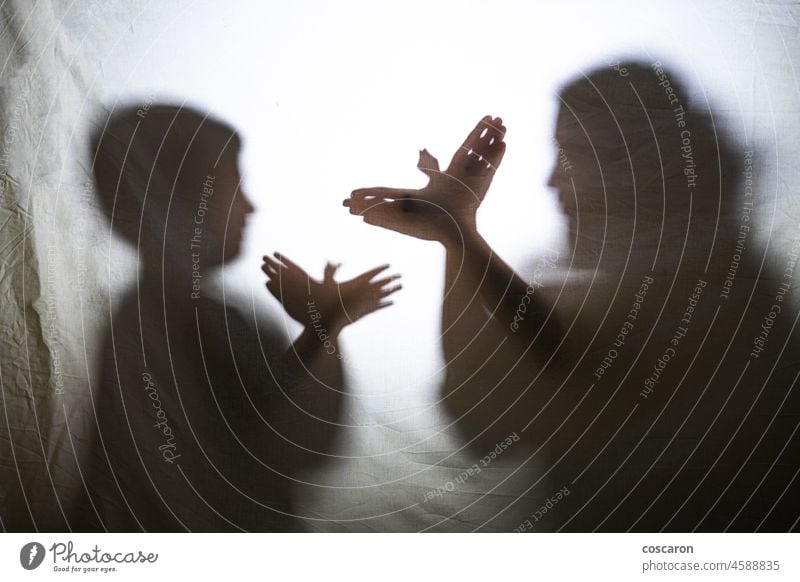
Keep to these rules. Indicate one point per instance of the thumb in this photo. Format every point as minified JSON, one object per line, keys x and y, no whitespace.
{"x":427,"y":164}
{"x":330,"y":271}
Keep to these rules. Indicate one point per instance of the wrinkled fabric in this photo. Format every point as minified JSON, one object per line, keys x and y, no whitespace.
{"x":405,"y":457}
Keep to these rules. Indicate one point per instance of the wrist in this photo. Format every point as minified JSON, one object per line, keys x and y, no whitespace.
{"x":466,"y":242}
{"x":321,"y":322}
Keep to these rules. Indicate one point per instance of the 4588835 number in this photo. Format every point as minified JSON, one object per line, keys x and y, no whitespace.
{"x":750,"y":565}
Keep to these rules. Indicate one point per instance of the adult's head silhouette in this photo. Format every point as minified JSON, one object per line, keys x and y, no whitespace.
{"x":642,"y":174}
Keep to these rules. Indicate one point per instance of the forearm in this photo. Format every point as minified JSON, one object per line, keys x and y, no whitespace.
{"x":520,"y":309}
{"x":463,"y":314}
{"x":315,"y":353}
{"x":312,"y":389}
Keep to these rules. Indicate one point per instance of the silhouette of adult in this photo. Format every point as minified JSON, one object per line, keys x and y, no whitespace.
{"x":640,"y":375}
{"x":206,"y":422}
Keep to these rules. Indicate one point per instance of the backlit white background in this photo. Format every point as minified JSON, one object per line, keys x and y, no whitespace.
{"x":339,"y":95}
{"x":332,"y":96}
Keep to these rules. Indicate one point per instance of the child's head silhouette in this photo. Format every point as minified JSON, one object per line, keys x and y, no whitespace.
{"x":168,"y":180}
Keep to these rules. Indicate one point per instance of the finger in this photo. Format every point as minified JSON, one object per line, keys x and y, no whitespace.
{"x":495,"y":131}
{"x":330,"y":271}
{"x":274,"y":262}
{"x":369,"y":275}
{"x":495,"y":156}
{"x":386,"y":281}
{"x":496,"y":124}
{"x":382,"y":200}
{"x":475,"y":134}
{"x":367,"y":198}
{"x":363,"y":205}
{"x":388,"y":215}
{"x":393,"y":214}
{"x":269,"y":263}
{"x":286,"y":261}
{"x":463,"y":155}
{"x":381,"y":193}
{"x":389,"y":291}
{"x":427,"y":163}
{"x":487,"y":133}
{"x":490,"y":142}
{"x":493,"y":138}
{"x":482,"y":161}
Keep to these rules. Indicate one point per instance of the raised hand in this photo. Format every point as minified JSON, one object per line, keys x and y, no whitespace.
{"x":334,"y":304}
{"x":449,"y":203}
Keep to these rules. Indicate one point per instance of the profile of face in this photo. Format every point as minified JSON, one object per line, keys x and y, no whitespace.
{"x":169,"y":181}
{"x":579,"y":181}
{"x":618,"y":170}
{"x":214,"y":209}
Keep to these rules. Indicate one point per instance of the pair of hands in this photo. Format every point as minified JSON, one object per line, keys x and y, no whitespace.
{"x":338,"y":304}
{"x":444,"y":211}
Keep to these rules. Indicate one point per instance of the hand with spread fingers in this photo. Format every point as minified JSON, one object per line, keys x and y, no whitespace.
{"x":447,"y":206}
{"x":334,"y":304}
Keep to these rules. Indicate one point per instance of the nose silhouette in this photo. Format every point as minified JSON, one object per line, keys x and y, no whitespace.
{"x":245,"y":204}
{"x":562,"y":188}
{"x":241,"y":205}
{"x":553,"y":180}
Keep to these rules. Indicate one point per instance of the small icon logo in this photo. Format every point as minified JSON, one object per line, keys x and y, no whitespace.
{"x":31,"y":555}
